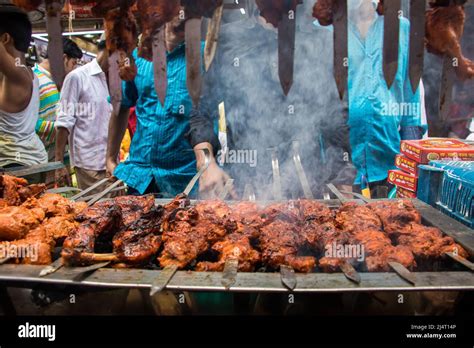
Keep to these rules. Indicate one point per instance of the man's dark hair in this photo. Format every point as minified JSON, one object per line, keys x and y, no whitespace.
{"x":15,"y":22}
{"x":71,"y":49}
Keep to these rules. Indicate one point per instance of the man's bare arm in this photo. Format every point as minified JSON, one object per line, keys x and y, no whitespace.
{"x":117,"y":127}
{"x":11,"y":69}
{"x":62,"y":135}
{"x":62,"y":176}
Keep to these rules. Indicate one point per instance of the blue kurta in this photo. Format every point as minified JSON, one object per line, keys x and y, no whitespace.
{"x":376,"y":113}
{"x":159,"y":149}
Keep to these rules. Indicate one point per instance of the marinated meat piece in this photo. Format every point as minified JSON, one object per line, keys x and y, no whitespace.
{"x":215,"y":217}
{"x":330,"y":264}
{"x":9,"y":189}
{"x":395,"y":215}
{"x":121,"y":33}
{"x":139,"y":243}
{"x":248,"y":213}
{"x":234,"y":246}
{"x":444,"y":30}
{"x":289,"y":211}
{"x":31,"y":191}
{"x":153,"y":15}
{"x":378,"y":262}
{"x":54,"y":205}
{"x":315,"y":211}
{"x":97,"y":229}
{"x":184,"y":239}
{"x":428,"y":242}
{"x":241,"y":226}
{"x":32,"y":252}
{"x":352,"y":217}
{"x":280,"y":243}
{"x":134,"y":207}
{"x":16,"y":222}
{"x":60,"y":227}
{"x":35,"y":248}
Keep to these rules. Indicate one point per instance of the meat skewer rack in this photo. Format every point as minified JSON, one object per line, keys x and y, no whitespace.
{"x":459,"y":278}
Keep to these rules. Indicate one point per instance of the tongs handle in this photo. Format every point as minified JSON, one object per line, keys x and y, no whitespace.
{"x":102,"y":194}
{"x":227,"y":187}
{"x":308,"y":194}
{"x":196,"y":177}
{"x":357,"y":195}
{"x":92,"y":188}
{"x":277,"y":191}
{"x":337,"y":193}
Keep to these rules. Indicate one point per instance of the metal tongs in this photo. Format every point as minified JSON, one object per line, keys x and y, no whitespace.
{"x":207,"y":161}
{"x":95,"y":198}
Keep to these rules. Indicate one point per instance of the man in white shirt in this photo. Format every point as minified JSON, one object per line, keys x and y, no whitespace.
{"x":83,"y":120}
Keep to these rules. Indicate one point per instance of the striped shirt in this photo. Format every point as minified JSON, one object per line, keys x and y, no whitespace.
{"x":159,"y":151}
{"x":49,"y":99}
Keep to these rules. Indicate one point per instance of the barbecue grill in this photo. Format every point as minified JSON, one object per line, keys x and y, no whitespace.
{"x":457,"y":277}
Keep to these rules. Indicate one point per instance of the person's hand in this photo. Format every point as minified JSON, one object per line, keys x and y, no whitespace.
{"x":111,"y":164}
{"x":62,"y":177}
{"x":212,"y":182}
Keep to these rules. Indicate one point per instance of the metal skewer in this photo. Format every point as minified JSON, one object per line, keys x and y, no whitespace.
{"x":461,"y":260}
{"x":403,"y":272}
{"x":349,"y":271}
{"x":337,"y":193}
{"x":196,"y":177}
{"x":228,"y":186}
{"x":277,"y":193}
{"x":163,"y":279}
{"x":52,"y":268}
{"x":249,"y":193}
{"x":4,"y":260}
{"x":288,"y":277}
{"x":77,"y":272}
{"x":229,"y":274}
{"x":300,"y":171}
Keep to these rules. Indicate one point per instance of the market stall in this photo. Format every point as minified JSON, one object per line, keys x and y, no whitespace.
{"x":420,"y":239}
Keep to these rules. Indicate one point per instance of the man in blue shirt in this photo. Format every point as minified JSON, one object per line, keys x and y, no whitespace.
{"x":378,"y":117}
{"x":259,"y":117}
{"x":161,"y":159}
